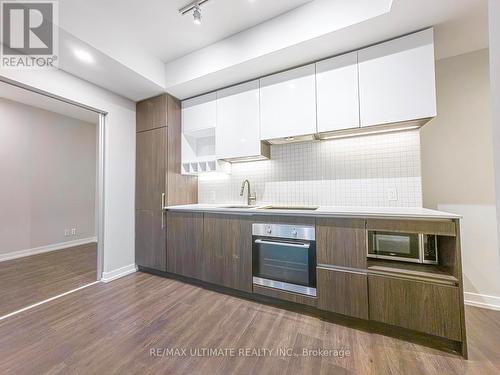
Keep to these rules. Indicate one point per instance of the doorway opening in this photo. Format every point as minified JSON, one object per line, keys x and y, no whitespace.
{"x":51,"y":195}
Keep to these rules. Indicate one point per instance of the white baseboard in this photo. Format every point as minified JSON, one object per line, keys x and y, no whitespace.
{"x":482,"y":300}
{"x":120,"y":272}
{"x":45,"y":249}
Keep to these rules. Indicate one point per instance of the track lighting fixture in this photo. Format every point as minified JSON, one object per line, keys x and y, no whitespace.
{"x":196,"y":8}
{"x":197,"y":15}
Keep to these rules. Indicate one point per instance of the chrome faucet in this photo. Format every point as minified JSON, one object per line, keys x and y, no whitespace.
{"x":251,"y":199}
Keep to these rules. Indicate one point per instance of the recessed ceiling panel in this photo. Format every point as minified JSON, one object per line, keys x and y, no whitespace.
{"x":157,"y":28}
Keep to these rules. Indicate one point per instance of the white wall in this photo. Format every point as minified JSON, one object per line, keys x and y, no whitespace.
{"x":458,"y":170}
{"x":119,"y":158}
{"x":48,"y":164}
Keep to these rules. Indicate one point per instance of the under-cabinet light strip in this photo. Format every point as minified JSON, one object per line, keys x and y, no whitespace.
{"x":380,"y":131}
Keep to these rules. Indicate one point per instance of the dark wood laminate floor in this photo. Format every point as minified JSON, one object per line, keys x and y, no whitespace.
{"x":110,"y":329}
{"x":32,"y":279}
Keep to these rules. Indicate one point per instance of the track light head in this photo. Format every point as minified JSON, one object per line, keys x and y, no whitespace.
{"x":194,"y":6}
{"x":197,"y":15}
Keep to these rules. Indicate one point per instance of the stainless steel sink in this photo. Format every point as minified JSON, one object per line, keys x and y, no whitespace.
{"x":295,"y":208}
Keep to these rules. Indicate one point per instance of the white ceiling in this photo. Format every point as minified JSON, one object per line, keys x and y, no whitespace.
{"x":157,"y":28}
{"x":106,"y":71}
{"x":17,"y":94}
{"x":460,"y":26}
{"x":146,"y":47}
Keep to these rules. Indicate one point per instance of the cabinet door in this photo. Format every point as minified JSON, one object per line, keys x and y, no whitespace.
{"x":397,"y":80}
{"x":185,"y":244}
{"x":420,"y":306}
{"x":150,"y":239}
{"x":151,"y":113}
{"x":180,"y":189}
{"x":150,"y":185}
{"x":341,"y":242}
{"x":151,"y":155}
{"x":343,"y":292}
{"x":238,"y":121}
{"x":227,"y":251}
{"x":199,"y":113}
{"x":337,"y":93}
{"x":288,"y":103}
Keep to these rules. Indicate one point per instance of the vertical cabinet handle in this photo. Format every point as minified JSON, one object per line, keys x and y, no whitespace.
{"x":162,"y":201}
{"x":162,"y":210}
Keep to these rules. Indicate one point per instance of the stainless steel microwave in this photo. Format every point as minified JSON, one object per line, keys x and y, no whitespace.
{"x":406,"y":247}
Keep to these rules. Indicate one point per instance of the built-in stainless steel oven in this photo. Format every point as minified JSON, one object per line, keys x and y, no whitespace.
{"x":284,"y":257}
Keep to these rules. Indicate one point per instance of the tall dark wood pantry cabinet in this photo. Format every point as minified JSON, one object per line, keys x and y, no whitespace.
{"x":159,"y":182}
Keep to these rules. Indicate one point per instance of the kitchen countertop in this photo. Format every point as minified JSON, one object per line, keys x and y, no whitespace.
{"x":322,"y":211}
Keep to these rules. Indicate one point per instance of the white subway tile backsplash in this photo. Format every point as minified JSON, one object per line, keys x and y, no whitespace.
{"x":357,"y":171}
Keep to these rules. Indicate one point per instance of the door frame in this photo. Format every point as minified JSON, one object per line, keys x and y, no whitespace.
{"x":101,"y":164}
{"x":100,"y":194}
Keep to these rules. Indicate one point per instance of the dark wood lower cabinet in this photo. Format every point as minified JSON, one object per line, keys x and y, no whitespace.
{"x":150,"y":239}
{"x":217,"y":249}
{"x":227,"y":251}
{"x":341,"y":242}
{"x":343,"y":292}
{"x":185,"y":244}
{"x":420,"y":306}
{"x":213,"y":248}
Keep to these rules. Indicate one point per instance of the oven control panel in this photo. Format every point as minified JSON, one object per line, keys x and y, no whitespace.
{"x":299,"y":232}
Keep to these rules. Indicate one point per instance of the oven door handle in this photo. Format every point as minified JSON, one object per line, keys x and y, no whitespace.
{"x":286,"y":244}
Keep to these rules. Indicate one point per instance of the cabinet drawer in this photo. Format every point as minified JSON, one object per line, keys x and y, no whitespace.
{"x":420,"y":306}
{"x":440,"y":228}
{"x":341,"y":242}
{"x":342,"y":292}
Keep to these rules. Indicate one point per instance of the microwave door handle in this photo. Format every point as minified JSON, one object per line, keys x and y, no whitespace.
{"x":285,"y":244}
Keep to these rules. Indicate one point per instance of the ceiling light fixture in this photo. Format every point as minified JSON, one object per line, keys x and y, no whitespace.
{"x":83,"y":55}
{"x":196,"y":8}
{"x":197,"y":15}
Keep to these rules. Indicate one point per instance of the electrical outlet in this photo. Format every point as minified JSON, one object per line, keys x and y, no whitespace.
{"x":66,"y":232}
{"x":392,"y":194}
{"x":73,"y":231}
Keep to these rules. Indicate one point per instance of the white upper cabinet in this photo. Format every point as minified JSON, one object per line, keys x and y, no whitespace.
{"x":238,"y":122}
{"x":288,"y":103}
{"x":337,"y":93}
{"x":397,"y":80}
{"x":199,"y":113}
